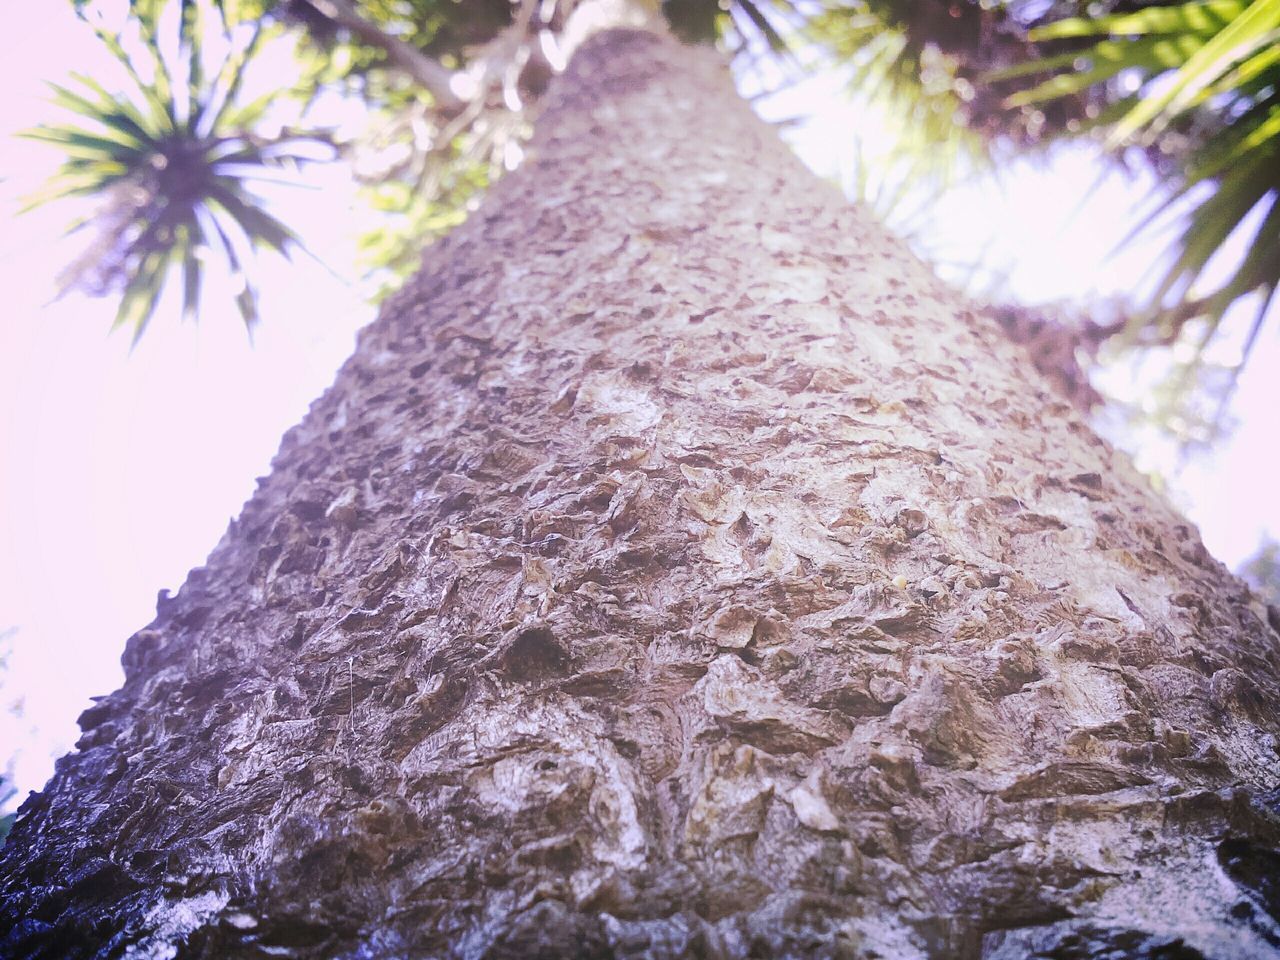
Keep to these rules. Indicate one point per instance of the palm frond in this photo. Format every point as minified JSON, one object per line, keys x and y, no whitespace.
{"x":1208,"y":75}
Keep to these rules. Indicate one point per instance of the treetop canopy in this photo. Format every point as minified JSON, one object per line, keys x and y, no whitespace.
{"x":1189,"y":89}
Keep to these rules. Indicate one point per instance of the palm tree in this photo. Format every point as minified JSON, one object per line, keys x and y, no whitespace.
{"x":171,"y":166}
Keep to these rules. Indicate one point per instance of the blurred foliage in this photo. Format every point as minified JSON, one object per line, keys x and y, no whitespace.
{"x":1183,"y":396}
{"x":418,"y":211}
{"x":1196,"y":88}
{"x":171,"y":163}
{"x":1191,"y":89}
{"x":1262,"y":571}
{"x":927,"y":65}
{"x":7,"y":790}
{"x":916,"y":83}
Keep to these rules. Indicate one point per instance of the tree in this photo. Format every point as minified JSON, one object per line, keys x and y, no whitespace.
{"x":677,"y":569}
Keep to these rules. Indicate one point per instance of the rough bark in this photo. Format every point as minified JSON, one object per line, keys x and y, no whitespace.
{"x":677,"y":569}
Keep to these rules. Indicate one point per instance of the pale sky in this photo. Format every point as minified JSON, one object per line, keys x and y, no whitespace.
{"x":121,"y":470}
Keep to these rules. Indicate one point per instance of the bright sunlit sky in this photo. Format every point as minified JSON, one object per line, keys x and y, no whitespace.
{"x":121,"y":469}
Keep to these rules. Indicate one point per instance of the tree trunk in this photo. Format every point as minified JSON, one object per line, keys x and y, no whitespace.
{"x":677,"y":569}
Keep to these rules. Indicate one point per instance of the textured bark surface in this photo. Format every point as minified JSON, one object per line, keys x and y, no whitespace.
{"x":677,"y":569}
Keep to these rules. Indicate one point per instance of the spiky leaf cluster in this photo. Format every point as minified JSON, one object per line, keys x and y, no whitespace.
{"x":171,"y":164}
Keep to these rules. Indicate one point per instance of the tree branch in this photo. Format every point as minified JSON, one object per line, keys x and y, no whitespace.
{"x":436,"y":79}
